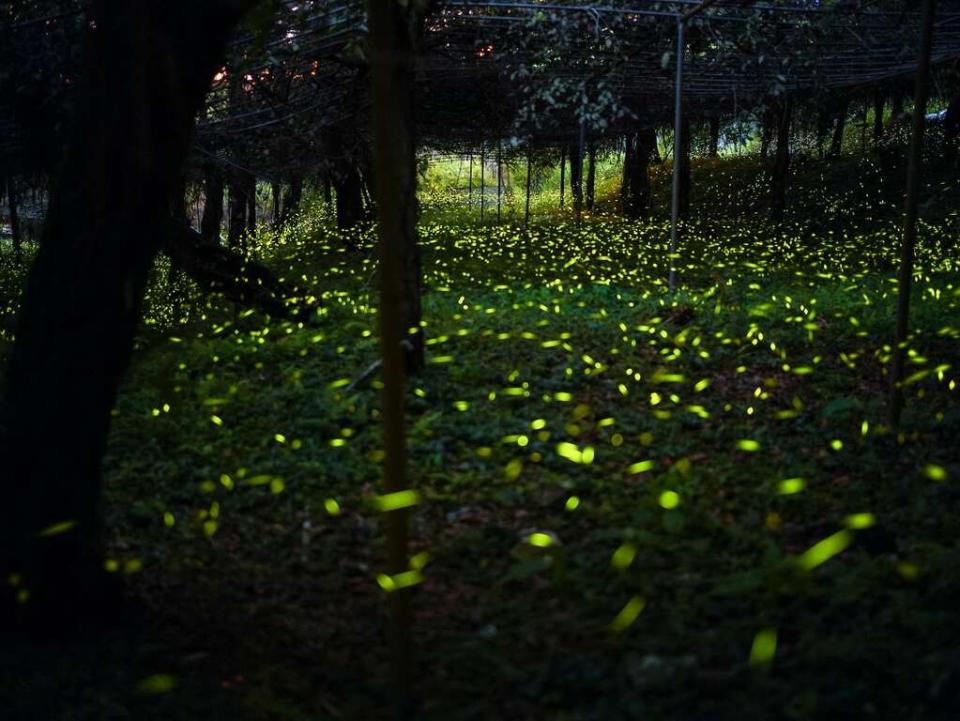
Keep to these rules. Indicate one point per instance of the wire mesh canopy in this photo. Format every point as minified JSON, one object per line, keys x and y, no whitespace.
{"x":293,"y":94}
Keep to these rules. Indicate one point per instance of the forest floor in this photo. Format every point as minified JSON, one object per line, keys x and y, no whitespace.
{"x":634,"y":503}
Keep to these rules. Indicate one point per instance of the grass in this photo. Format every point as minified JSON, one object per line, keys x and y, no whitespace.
{"x":587,"y":446}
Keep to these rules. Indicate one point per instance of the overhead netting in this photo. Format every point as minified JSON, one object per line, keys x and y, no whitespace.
{"x":294,"y":89}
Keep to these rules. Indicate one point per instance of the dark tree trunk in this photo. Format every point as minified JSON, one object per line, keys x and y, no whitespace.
{"x":178,"y":211}
{"x":576,"y":176}
{"x":221,"y":270}
{"x":911,"y":213}
{"x":766,"y":133}
{"x":714,"y":136}
{"x":635,"y":193}
{"x":879,"y":101}
{"x":349,"y":197}
{"x":685,"y":178}
{"x":823,"y":128}
{"x":14,"y":219}
{"x":251,"y":193}
{"x":148,"y":68}
{"x":626,"y":190}
{"x":291,"y":201}
{"x":863,"y":124}
{"x":781,"y":164}
{"x":237,"y":225}
{"x":839,"y":124}
{"x":212,"y":207}
{"x":178,"y":199}
{"x":327,"y":190}
{"x":591,"y":175}
{"x":275,"y":198}
{"x":392,"y":47}
{"x":896,"y":108}
{"x":563,"y":169}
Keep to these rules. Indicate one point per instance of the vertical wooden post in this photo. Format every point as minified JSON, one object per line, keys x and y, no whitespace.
{"x":920,"y":93}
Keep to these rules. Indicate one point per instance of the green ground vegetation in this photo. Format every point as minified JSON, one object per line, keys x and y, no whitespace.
{"x":632,"y":503}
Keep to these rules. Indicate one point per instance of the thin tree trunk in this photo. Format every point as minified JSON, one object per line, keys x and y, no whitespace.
{"x":823,"y":128}
{"x":714,"y":136}
{"x":863,"y":125}
{"x":349,"y":200}
{"x":896,"y":108}
{"x":14,"y":219}
{"x":212,"y":207}
{"x":327,"y":189}
{"x":251,"y":193}
{"x":625,"y":175}
{"x":392,"y":49}
{"x":836,"y":146}
{"x":563,"y":167}
{"x":781,"y":164}
{"x":148,"y":69}
{"x":911,"y":203}
{"x":878,"y":105}
{"x":275,"y":191}
{"x":591,"y":175}
{"x":635,"y":193}
{"x":576,"y":175}
{"x":238,"y":213}
{"x":291,"y":201}
{"x":766,"y":133}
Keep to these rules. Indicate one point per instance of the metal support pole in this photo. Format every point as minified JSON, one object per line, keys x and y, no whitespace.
{"x":526,"y":212}
{"x":677,"y":129}
{"x":470,"y":186}
{"x":563,"y":166}
{"x":583,"y":187}
{"x":499,"y":175}
{"x":483,"y":182}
